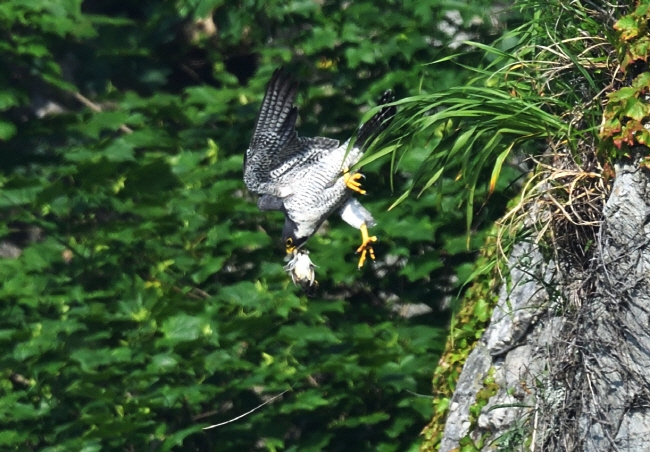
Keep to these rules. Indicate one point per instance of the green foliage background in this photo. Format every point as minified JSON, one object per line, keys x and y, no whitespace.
{"x":149,"y":299}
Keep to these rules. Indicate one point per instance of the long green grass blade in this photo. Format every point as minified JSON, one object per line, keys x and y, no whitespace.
{"x":400,"y":199}
{"x":496,"y":170}
{"x":432,"y":180}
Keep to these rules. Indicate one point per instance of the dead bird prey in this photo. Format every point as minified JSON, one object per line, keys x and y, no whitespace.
{"x":301,"y":269}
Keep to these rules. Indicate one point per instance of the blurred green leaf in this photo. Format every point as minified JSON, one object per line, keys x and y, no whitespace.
{"x":182,"y":327}
{"x":7,"y":130}
{"x":12,"y":438}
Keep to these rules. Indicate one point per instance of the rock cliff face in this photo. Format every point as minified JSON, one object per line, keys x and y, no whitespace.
{"x":567,"y":351}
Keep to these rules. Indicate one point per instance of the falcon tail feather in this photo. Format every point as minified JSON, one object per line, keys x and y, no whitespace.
{"x":378,"y":123}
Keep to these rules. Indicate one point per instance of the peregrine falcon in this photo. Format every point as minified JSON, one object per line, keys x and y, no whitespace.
{"x":308,"y":179}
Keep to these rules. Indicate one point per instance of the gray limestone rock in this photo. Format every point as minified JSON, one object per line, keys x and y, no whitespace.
{"x":570,"y":376}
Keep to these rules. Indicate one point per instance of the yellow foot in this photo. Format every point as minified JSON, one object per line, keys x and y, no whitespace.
{"x":352,"y":181}
{"x":366,"y":245}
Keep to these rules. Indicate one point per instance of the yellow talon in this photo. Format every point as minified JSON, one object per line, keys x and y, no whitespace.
{"x":352,"y":181}
{"x":366,"y":245}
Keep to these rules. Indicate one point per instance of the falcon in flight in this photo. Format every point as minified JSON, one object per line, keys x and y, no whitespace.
{"x":308,"y":179}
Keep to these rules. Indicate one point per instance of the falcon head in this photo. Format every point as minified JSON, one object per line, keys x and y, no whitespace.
{"x":291,"y":236}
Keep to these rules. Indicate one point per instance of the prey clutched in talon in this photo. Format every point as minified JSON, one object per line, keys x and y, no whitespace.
{"x":366,"y":245}
{"x":301,"y":269}
{"x":352,"y":181}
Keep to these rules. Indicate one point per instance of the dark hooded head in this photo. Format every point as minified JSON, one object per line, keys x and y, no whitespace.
{"x":290,"y":237}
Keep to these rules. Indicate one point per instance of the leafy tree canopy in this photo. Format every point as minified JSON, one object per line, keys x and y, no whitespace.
{"x":143,"y":292}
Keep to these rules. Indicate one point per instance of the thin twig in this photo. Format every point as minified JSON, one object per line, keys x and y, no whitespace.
{"x":195,"y":293}
{"x":203,"y":415}
{"x":247,"y":413}
{"x":532,"y":441}
{"x":97,"y":109}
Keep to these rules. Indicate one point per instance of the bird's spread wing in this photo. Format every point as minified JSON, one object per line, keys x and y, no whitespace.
{"x":309,"y":150}
{"x":275,"y":126}
{"x":378,"y":123}
{"x":275,"y":147}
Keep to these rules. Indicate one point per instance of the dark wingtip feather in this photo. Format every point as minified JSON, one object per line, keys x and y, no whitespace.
{"x":378,"y":123}
{"x":387,"y":97}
